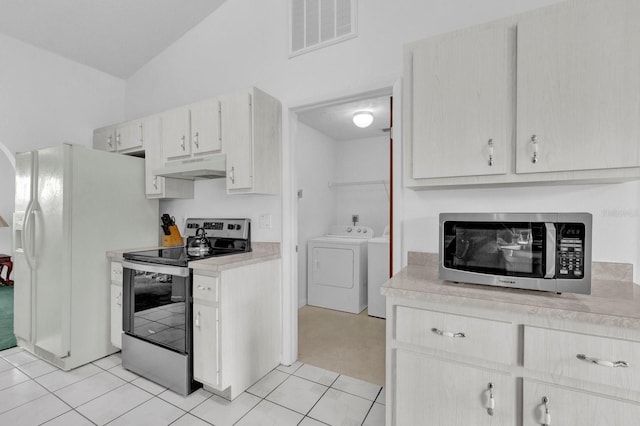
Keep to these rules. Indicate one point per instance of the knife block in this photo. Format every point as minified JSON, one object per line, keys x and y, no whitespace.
{"x":173,"y":239}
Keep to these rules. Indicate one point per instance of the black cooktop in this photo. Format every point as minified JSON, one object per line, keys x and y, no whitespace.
{"x":175,"y":256}
{"x":226,"y":236}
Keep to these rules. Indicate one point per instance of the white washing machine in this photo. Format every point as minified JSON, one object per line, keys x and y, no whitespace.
{"x":337,"y":269}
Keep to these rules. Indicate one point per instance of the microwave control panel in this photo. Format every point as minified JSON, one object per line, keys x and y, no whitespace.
{"x":570,"y":250}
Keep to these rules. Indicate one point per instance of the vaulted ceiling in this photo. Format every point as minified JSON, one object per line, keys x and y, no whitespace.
{"x":114,"y":36}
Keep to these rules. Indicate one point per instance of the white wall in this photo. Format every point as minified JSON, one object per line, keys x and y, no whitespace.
{"x":363,"y":160}
{"x":316,"y":166}
{"x":246,"y":43}
{"x":321,"y":160}
{"x":211,"y":200}
{"x":615,"y":209}
{"x":47,"y":100}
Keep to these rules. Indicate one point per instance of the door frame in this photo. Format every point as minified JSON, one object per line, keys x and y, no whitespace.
{"x":289,"y":252}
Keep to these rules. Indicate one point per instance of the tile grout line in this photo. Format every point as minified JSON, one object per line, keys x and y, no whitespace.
{"x":182,"y":410}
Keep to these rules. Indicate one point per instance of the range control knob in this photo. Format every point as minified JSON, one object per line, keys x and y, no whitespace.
{"x":238,"y":226}
{"x":349,"y":229}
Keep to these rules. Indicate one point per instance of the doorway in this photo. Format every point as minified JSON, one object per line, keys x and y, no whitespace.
{"x":342,"y":173}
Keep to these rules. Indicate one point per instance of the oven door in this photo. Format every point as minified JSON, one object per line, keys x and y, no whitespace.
{"x":156,"y":304}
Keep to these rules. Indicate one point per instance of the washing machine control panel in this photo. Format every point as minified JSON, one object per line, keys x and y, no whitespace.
{"x":350,"y":231}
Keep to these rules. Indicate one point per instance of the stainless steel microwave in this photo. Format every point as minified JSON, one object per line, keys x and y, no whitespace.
{"x":535,"y":251}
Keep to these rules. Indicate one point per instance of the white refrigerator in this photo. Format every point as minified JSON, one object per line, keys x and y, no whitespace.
{"x":73,"y":204}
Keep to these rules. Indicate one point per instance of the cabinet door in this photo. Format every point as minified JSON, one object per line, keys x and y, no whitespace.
{"x":237,"y":139}
{"x":462,"y":103}
{"x":153,"y":155}
{"x":129,"y":136}
{"x":572,"y":407}
{"x":116,"y":315}
{"x":578,"y":80}
{"x":430,"y":391}
{"x":103,"y":139}
{"x":205,"y":127}
{"x":175,"y":134}
{"x":206,"y":344}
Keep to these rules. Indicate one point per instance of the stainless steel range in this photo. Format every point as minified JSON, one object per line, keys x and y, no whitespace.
{"x":157,"y":340}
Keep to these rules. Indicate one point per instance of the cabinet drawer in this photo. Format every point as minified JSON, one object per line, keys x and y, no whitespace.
{"x":116,"y":272}
{"x":573,"y":407}
{"x":557,"y":352}
{"x":481,"y":338}
{"x":206,"y":288}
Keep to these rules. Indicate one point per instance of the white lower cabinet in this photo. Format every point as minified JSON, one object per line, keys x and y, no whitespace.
{"x":206,"y":338}
{"x":237,"y":326}
{"x":116,"y":315}
{"x":441,"y":358}
{"x":116,"y":304}
{"x":431,"y":391}
{"x":565,"y":406}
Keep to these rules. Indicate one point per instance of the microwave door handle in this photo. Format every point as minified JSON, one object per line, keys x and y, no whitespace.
{"x":550,"y":230}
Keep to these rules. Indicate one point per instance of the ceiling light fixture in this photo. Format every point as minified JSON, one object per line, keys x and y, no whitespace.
{"x":363,"y":119}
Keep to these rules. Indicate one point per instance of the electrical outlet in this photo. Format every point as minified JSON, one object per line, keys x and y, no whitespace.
{"x":355,"y":219}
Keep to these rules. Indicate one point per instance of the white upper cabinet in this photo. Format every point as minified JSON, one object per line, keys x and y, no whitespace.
{"x":129,"y":136}
{"x":240,"y":131}
{"x":463,"y":103}
{"x":205,"y":127}
{"x":104,"y":139}
{"x":237,"y":122}
{"x":124,"y":137}
{"x":578,"y":83}
{"x":191,"y":130}
{"x":176,"y":141}
{"x":557,"y":101}
{"x":251,"y":136}
{"x":158,"y":186}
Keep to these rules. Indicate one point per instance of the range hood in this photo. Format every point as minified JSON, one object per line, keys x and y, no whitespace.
{"x":210,"y":167}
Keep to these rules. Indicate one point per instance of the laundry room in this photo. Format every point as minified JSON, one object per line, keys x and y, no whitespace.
{"x":343,"y":209}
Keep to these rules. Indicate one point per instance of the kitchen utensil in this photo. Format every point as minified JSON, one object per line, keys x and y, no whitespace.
{"x":200,"y":245}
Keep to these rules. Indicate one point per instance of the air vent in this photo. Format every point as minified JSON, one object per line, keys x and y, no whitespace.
{"x":319,"y":23}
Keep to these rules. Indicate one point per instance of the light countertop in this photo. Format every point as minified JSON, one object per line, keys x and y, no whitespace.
{"x":261,"y":252}
{"x":614,"y":298}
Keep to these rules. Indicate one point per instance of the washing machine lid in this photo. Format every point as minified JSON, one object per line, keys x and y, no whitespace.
{"x":349,"y":231}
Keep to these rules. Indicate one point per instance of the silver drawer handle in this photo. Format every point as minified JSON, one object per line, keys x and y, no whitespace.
{"x":201,"y":287}
{"x":603,"y":363}
{"x":447,"y":333}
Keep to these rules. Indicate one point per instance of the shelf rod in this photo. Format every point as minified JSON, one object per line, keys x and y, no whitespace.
{"x":358,"y":183}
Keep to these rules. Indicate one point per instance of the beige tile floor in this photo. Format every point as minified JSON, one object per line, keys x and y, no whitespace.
{"x":349,"y":344}
{"x":33,"y":392}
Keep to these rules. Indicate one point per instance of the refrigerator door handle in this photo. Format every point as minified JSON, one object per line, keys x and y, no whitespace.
{"x":28,"y":233}
{"x":27,"y":236}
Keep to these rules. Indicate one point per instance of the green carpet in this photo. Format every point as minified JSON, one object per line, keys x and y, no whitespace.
{"x":7,"y":339}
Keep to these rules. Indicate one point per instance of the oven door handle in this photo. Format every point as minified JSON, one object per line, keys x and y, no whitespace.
{"x":157,"y":269}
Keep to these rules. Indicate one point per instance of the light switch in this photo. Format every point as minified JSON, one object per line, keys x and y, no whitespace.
{"x":264,"y":222}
